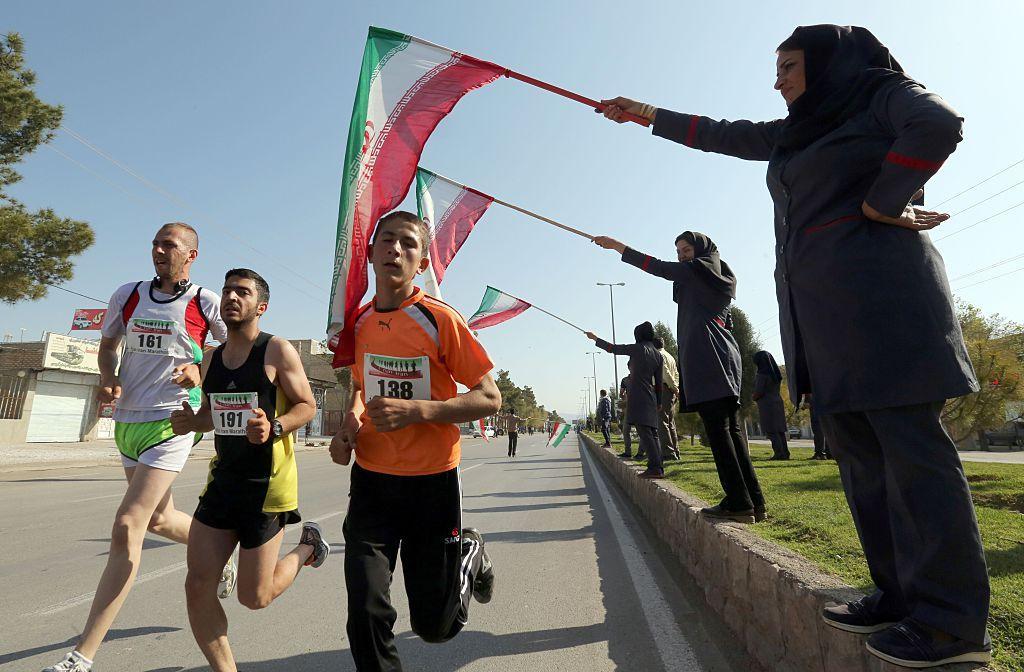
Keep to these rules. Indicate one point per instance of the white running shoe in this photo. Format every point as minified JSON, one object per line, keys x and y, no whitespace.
{"x":313,"y":535}
{"x":228,"y":579}
{"x":71,"y":663}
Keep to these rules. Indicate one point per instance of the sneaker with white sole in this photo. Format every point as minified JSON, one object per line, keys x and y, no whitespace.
{"x":228,"y":579}
{"x":73,"y":662}
{"x":313,"y":535}
{"x":483,"y":584}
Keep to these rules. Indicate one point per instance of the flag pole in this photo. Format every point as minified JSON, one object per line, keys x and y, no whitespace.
{"x":514,"y":207}
{"x":551,"y":88}
{"x":543,"y":311}
{"x":597,"y":105}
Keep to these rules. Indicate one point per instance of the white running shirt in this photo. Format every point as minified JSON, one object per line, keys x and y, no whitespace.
{"x":160,"y":332}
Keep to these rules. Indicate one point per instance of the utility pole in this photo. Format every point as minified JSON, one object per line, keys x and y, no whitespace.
{"x":611,"y":299}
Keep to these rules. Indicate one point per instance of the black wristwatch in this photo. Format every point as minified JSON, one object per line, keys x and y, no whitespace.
{"x":276,"y":430}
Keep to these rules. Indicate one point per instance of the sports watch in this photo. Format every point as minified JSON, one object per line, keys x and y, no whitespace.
{"x":276,"y":430}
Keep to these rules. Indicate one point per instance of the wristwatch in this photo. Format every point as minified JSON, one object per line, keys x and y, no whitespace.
{"x":276,"y":430}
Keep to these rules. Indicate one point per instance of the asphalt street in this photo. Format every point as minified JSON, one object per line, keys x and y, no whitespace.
{"x":581,"y":583}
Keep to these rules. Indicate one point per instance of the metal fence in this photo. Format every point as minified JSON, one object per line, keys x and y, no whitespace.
{"x":12,"y":396}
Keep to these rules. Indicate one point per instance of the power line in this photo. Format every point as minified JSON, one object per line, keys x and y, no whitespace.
{"x":65,"y":289}
{"x":981,"y":282}
{"x":1012,"y":186}
{"x":182,"y":203}
{"x":990,"y":266}
{"x":981,"y":221}
{"x":996,"y":174}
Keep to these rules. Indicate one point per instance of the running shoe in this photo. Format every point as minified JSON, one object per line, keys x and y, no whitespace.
{"x":313,"y":535}
{"x":228,"y":579}
{"x":909,"y":644}
{"x":858,"y":616}
{"x":73,"y":662}
{"x":483,"y":585}
{"x":719,"y":511}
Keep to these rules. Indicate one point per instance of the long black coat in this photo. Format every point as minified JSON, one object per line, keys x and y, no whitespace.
{"x":643,"y":396}
{"x":770,"y":409}
{"x":709,"y":358}
{"x":865,"y":310}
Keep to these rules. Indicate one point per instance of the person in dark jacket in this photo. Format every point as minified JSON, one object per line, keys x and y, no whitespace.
{"x":644,"y":393}
{"x":710,"y":372}
{"x":868,"y":323}
{"x":821,"y":451}
{"x":604,"y":417}
{"x":627,"y":431}
{"x":770,"y":408}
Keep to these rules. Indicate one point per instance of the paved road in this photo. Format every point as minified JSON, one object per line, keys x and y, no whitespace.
{"x":581,"y":585}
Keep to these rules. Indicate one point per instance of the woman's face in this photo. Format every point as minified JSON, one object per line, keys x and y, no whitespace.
{"x":684,"y":251}
{"x":790,"y":80}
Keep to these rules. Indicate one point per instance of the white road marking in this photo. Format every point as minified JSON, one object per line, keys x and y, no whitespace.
{"x":675,"y":652}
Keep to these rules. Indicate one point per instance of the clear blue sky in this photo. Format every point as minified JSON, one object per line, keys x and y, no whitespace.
{"x":240,"y":110}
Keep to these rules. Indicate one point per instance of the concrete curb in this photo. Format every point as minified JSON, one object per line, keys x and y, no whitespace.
{"x":770,"y":597}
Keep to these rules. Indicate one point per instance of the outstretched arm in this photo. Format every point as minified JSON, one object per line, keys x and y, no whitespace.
{"x":670,"y":270}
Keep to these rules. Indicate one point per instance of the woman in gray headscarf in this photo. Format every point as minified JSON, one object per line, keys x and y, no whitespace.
{"x":770,"y":410}
{"x":868,"y":324}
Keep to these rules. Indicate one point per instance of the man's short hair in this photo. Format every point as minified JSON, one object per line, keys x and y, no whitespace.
{"x":190,"y":234}
{"x":262,"y":288}
{"x":659,"y":342}
{"x":402,"y":216}
{"x":604,"y":393}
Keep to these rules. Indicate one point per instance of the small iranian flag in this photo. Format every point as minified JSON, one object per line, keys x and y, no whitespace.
{"x":451,"y":210}
{"x":557,"y":434}
{"x":495,"y":308}
{"x":406,"y":86}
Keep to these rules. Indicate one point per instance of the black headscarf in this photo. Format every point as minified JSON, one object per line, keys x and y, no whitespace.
{"x":766,"y":364}
{"x":643,"y":332}
{"x":710,"y":267}
{"x":844,"y":66}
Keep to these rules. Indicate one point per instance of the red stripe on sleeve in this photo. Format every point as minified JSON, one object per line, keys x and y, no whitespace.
{"x":692,"y":133}
{"x":647,"y":262}
{"x":129,"y":305}
{"x":911,"y":162}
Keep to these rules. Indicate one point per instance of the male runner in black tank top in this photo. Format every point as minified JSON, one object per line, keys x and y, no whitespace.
{"x":256,"y":395}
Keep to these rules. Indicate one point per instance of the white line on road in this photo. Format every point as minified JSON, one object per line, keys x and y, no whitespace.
{"x":675,"y":652}
{"x":149,"y":576}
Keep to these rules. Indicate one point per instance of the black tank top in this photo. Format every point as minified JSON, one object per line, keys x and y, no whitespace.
{"x":236,"y":457}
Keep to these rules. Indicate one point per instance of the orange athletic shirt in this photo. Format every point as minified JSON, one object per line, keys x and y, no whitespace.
{"x":395,"y":341}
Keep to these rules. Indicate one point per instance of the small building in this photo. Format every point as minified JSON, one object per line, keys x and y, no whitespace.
{"x":330,"y":395}
{"x":48,"y":390}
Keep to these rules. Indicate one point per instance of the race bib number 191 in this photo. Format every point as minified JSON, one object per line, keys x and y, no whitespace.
{"x":396,"y":377}
{"x":151,"y":337}
{"x":231,"y":412}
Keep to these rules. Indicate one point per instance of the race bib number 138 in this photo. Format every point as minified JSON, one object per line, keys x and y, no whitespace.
{"x":396,"y":377}
{"x":231,"y":412}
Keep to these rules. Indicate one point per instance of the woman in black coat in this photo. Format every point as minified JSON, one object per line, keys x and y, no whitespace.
{"x":867,"y":323}
{"x":710,"y":370}
{"x":770,"y":409}
{"x":644,"y":394}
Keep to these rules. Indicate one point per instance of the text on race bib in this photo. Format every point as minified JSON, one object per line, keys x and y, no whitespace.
{"x":396,"y":377}
{"x":151,"y":337}
{"x":232,"y":411}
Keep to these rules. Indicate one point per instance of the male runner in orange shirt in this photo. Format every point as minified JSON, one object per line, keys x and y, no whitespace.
{"x":411,"y":350}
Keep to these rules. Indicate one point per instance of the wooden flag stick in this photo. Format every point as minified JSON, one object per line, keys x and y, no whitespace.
{"x":543,"y":311}
{"x":515,"y":207}
{"x":597,"y":105}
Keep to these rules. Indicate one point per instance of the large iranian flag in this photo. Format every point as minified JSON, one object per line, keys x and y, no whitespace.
{"x":406,"y":86}
{"x":452,"y":210}
{"x":557,"y":434}
{"x":495,"y":308}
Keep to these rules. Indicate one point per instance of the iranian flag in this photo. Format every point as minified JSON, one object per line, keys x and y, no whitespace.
{"x":451,"y":210}
{"x":557,"y":434}
{"x":406,"y":86}
{"x":495,"y":308}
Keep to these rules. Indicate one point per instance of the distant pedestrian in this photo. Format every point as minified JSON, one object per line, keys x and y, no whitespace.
{"x":821,"y":451}
{"x":770,"y":409}
{"x":644,"y":391}
{"x":604,"y":417}
{"x":512,"y":428}
{"x":669,"y":396}
{"x":627,"y":432}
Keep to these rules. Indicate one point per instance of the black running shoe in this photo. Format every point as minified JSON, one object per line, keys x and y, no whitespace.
{"x":908,"y":644}
{"x":483,"y":584}
{"x":313,"y":535}
{"x":719,"y":511}
{"x":857,"y":617}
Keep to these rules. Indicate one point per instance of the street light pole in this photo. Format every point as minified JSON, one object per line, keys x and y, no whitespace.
{"x":593,"y":360}
{"x":611,"y":299}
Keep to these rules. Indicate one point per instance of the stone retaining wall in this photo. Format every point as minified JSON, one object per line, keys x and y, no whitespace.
{"x":770,"y":597}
